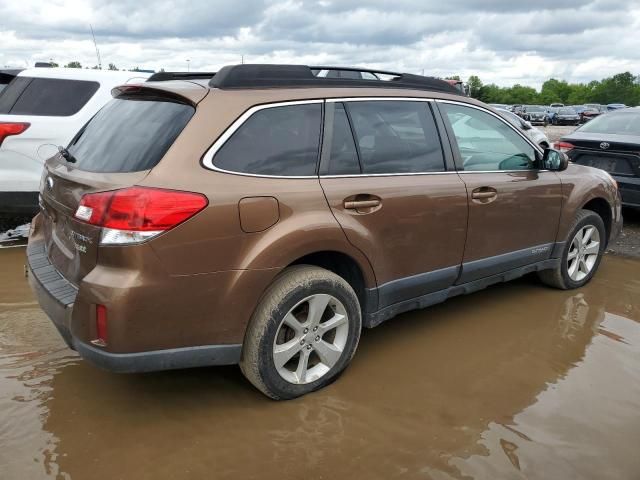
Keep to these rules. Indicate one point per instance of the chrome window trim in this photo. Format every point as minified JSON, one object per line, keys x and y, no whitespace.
{"x":377,"y":99}
{"x":207,"y":160}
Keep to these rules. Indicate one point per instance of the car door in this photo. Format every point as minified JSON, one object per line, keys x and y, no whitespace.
{"x":514,"y":206}
{"x":385,"y":177}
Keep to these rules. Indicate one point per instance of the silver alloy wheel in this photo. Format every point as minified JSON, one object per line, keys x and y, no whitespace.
{"x":583,"y":252}
{"x":310,"y":339}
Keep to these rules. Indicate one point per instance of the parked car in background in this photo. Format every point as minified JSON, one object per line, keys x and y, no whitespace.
{"x":191,"y":225}
{"x":610,"y":142}
{"x":616,"y":106}
{"x":518,"y":110}
{"x":6,"y":75}
{"x":535,"y":135}
{"x":45,"y":106}
{"x":535,"y":114}
{"x":566,"y":116}
{"x":592,"y":110}
{"x":556,"y":105}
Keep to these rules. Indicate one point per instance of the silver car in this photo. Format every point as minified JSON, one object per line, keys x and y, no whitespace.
{"x":534,"y":134}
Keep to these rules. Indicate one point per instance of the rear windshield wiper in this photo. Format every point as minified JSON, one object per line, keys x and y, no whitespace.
{"x":66,"y":154}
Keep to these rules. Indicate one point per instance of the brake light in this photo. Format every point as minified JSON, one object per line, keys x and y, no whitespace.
{"x":563,"y":146}
{"x":136,"y":214}
{"x":8,"y":129}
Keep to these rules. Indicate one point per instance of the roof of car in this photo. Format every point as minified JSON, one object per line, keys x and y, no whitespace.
{"x":85,"y":74}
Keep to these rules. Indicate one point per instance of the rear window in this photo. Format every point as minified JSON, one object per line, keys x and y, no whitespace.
{"x":49,"y":97}
{"x":281,"y":141}
{"x":129,"y":134}
{"x":618,"y":123}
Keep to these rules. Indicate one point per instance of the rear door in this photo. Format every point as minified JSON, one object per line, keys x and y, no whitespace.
{"x":116,"y":149}
{"x":514,"y":207}
{"x":384,"y":174}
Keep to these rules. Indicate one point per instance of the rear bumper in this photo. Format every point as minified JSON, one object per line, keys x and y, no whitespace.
{"x":18,"y":204}
{"x":57,"y":296}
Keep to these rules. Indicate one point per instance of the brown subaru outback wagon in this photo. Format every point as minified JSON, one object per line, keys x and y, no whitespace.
{"x":265,"y":216}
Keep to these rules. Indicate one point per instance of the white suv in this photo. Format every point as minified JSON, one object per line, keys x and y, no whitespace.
{"x":45,"y":106}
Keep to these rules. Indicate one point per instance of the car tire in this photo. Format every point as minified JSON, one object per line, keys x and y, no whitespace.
{"x":288,"y":324}
{"x":580,"y":257}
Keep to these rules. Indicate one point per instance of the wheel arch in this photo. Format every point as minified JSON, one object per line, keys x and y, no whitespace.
{"x":347,"y":267}
{"x":603,"y":209}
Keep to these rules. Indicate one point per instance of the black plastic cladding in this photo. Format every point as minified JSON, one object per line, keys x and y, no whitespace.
{"x":286,"y":76}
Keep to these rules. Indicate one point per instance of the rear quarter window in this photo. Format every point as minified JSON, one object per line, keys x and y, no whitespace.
{"x":129,"y":134}
{"x":49,"y":97}
{"x":279,"y":141}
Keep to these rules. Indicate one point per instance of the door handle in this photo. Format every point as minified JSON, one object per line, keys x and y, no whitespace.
{"x":484,"y":194}
{"x":360,"y":204}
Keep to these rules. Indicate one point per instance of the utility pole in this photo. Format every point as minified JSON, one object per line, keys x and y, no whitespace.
{"x":188,"y":65}
{"x":96,"y":45}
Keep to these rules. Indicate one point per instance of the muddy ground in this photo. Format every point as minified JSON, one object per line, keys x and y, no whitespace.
{"x":516,"y":381}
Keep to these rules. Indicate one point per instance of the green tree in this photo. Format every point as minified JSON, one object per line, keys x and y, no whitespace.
{"x":475,"y":86}
{"x":74,"y":64}
{"x":112,"y":67}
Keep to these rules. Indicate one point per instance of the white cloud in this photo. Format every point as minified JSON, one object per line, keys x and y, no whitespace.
{"x":502,"y":41}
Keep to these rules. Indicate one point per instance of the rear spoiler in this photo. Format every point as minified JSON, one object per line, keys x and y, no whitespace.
{"x":166,"y":76}
{"x":181,"y":92}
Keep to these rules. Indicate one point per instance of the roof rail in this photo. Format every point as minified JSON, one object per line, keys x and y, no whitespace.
{"x":287,"y":76}
{"x":165,"y":76}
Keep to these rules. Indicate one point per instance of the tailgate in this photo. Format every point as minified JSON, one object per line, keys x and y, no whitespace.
{"x":71,"y":245}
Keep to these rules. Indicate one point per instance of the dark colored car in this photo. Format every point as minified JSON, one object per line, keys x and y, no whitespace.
{"x":566,"y":116}
{"x":266,"y":216}
{"x":616,"y":106}
{"x":610,"y":142}
{"x":535,"y":114}
{"x":592,"y":110}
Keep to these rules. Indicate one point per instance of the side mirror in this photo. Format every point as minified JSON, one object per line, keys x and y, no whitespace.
{"x":554,"y":160}
{"x":525,"y":125}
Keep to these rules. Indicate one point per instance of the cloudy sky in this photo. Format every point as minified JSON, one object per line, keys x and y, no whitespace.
{"x":502,"y":41}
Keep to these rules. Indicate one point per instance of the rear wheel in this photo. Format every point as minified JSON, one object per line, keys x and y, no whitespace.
{"x":582,"y":253}
{"x":303,"y":333}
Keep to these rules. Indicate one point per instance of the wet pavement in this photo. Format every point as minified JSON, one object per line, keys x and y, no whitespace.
{"x":517,"y":381}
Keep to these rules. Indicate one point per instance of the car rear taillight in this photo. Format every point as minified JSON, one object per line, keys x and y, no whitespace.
{"x":563,"y":146}
{"x":8,"y":129}
{"x":136,"y":214}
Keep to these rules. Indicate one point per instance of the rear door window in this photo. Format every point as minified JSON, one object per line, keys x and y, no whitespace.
{"x":129,"y":134}
{"x":49,"y":97}
{"x":396,"y":137}
{"x":281,"y":141}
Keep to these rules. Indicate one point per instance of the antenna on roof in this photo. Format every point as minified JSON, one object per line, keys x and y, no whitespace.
{"x":96,"y":45}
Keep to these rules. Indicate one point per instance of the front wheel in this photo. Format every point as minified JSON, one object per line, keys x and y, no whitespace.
{"x":303,"y":334}
{"x":582,"y":253}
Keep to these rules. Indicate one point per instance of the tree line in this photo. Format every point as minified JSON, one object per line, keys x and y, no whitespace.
{"x":620,"y":88}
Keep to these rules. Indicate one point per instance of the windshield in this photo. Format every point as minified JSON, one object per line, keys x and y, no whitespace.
{"x":621,"y":124}
{"x":534,"y":108}
{"x":129,"y":134}
{"x":566,"y":111}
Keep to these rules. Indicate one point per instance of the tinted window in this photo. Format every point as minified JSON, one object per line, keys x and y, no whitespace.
{"x":487,"y":143}
{"x":12,"y":92}
{"x":566,"y":111}
{"x":129,"y":134}
{"x":396,"y":137}
{"x":53,"y":97}
{"x":275,"y":141}
{"x":343,"y":157}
